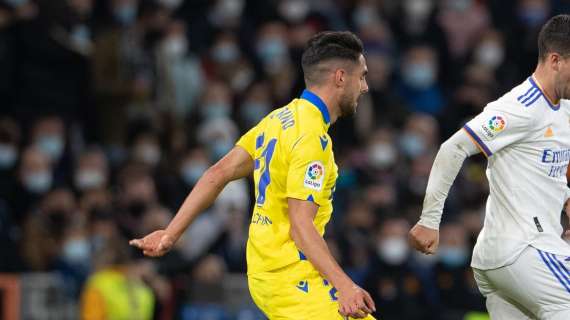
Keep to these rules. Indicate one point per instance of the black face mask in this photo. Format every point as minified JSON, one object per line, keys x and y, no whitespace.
{"x":137,"y":208}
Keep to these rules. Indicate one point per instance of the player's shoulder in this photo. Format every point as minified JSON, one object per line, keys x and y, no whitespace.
{"x":519,"y":101}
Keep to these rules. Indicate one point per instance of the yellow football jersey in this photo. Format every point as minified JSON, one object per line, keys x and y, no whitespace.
{"x":293,"y":159}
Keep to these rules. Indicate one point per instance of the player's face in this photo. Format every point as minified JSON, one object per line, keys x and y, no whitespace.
{"x":356,"y":86}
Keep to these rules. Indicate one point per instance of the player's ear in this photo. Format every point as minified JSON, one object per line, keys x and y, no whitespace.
{"x":340,"y":77}
{"x":555,"y":59}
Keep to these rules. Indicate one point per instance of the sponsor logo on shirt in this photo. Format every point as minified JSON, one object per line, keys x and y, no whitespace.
{"x":494,"y":126}
{"x":315,"y":176}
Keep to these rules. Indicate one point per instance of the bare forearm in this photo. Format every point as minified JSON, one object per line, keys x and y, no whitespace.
{"x":202,"y":196}
{"x":314,"y":247}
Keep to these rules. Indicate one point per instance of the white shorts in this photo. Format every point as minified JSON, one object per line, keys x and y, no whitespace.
{"x":535,"y":286}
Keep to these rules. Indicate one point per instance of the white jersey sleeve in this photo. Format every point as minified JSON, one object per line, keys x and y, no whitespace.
{"x":497,"y":127}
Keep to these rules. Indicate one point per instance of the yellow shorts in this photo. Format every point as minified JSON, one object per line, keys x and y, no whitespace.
{"x":295,"y":292}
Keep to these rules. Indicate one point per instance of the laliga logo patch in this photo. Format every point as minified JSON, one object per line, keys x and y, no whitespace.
{"x":494,"y":126}
{"x":315,"y":176}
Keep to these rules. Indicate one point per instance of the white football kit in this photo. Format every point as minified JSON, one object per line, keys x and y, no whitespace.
{"x":520,"y":258}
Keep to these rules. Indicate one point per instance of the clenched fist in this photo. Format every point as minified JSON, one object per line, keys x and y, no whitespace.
{"x":424,"y":239}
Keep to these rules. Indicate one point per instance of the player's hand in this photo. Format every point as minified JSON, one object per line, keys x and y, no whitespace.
{"x":424,"y":239}
{"x":355,"y":302}
{"x":154,"y":244}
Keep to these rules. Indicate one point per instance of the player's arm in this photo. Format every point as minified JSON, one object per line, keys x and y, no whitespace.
{"x":314,"y":247}
{"x":424,"y":236}
{"x":237,"y":164}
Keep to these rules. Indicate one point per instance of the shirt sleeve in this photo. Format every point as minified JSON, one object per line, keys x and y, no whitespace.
{"x":446,"y":166}
{"x":248,"y":141}
{"x":495,"y":128}
{"x":308,"y":169}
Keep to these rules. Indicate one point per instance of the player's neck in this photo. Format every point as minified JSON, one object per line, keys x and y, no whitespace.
{"x":545,"y":81}
{"x":329,"y":101}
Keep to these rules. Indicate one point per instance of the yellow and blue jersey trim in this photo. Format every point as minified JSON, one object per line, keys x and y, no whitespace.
{"x":317,"y":102}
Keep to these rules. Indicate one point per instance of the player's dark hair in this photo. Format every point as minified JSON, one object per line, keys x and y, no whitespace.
{"x":554,"y":36}
{"x":326,"y":46}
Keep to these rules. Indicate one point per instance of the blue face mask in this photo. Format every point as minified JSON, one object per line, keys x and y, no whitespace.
{"x":77,"y":251}
{"x":419,"y":75}
{"x":271,"y":49}
{"x":452,"y":257}
{"x":38,"y":182}
{"x":51,"y":145}
{"x":215,"y":110}
{"x":226,"y":53}
{"x":253,"y":112}
{"x":126,"y":13}
{"x":8,"y":156}
{"x":192,"y":172}
{"x":412,"y":145}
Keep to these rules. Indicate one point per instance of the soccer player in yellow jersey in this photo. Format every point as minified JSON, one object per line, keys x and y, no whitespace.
{"x":291,"y":272}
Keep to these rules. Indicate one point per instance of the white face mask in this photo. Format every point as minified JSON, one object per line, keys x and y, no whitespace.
{"x":77,"y":251}
{"x":393,"y":250}
{"x":38,"y":182}
{"x":148,"y":153}
{"x":490,"y":54}
{"x":8,"y":156}
{"x":382,"y":155}
{"x":175,"y":47}
{"x":89,"y":179}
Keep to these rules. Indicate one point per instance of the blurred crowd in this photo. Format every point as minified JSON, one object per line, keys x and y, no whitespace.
{"x":111,"y":110}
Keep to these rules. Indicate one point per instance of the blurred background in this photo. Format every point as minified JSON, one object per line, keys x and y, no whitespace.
{"x":112,"y":109}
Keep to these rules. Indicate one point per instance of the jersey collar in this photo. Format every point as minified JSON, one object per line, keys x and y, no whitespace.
{"x":534,"y":82}
{"x":319,"y":103}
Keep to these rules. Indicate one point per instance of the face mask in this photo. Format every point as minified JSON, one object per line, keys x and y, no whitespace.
{"x":76,"y":251}
{"x":220,"y":149}
{"x":148,"y":153}
{"x":253,"y":112}
{"x":191,"y":172}
{"x":125,"y":14}
{"x":8,"y":156}
{"x":394,"y":250}
{"x":364,"y":15}
{"x":533,"y":17}
{"x":294,"y":11}
{"x":175,"y":47}
{"x":271,"y":49}
{"x":489,"y":54}
{"x":51,"y":145}
{"x":419,"y":75}
{"x":459,"y":5}
{"x":16,"y":3}
{"x":38,"y":182}
{"x":452,"y":257}
{"x":170,"y":4}
{"x":412,"y":145}
{"x":81,"y":37}
{"x":225,"y":53}
{"x":214,"y":110}
{"x":89,"y":179}
{"x":418,"y":8}
{"x":382,"y":155}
